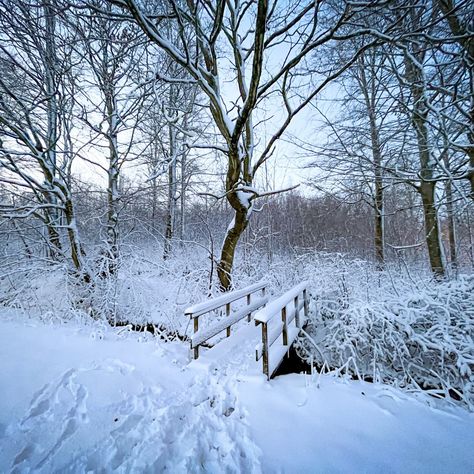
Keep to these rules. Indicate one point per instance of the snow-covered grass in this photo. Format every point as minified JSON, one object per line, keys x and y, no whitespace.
{"x":79,"y":399}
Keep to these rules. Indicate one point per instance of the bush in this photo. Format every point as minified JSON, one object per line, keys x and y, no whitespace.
{"x":418,"y":335}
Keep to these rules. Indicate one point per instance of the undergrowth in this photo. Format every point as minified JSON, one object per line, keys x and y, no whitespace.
{"x":397,"y":326}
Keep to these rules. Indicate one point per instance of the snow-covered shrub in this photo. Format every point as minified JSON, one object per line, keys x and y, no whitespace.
{"x":146,"y":289}
{"x":396,"y":326}
{"x":413,"y":334}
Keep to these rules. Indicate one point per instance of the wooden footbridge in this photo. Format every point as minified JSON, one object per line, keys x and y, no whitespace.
{"x":281,"y":319}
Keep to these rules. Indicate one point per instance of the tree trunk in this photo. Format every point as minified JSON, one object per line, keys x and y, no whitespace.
{"x":378,"y":191}
{"x":154,"y":204}
{"x":242,"y":208}
{"x":470,"y":238}
{"x":112,"y":207}
{"x":427,"y":191}
{"x":236,"y":229}
{"x":451,"y":226}
{"x":182,"y":198}
{"x":54,"y":241}
{"x":449,"y":204}
{"x":471,"y":124}
{"x":427,"y":185}
{"x":113,"y":172}
{"x":171,"y":204}
{"x":77,"y":251}
{"x":460,"y":31}
{"x":52,"y":217}
{"x":369,"y":92}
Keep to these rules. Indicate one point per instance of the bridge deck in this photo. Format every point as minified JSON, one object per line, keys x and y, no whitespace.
{"x":238,"y":350}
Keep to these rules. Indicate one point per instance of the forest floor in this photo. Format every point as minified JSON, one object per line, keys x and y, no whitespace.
{"x":78,"y":398}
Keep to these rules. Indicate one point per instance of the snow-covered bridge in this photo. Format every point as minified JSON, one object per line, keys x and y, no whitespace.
{"x":275,"y":319}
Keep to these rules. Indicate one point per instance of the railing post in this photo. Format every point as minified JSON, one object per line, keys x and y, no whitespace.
{"x":285,"y":326}
{"x":265,"y":350}
{"x":306,"y":303}
{"x":227,"y":313}
{"x":196,"y":328}
{"x":263,"y":294}
{"x":249,"y":299}
{"x":297,"y":312}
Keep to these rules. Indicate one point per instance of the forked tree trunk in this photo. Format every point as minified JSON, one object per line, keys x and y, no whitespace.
{"x":427,"y":187}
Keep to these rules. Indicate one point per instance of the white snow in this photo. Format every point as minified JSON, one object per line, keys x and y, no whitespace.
{"x":265,"y":314}
{"x":90,"y":398}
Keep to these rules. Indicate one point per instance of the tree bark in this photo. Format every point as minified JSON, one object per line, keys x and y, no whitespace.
{"x":451,"y":226}
{"x":241,"y":216}
{"x":112,"y":188}
{"x":52,"y":217}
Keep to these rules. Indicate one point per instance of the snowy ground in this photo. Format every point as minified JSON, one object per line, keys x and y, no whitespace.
{"x":78,"y":399}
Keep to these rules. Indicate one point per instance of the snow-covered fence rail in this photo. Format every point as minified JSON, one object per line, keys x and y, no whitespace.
{"x":271,"y":350}
{"x":226,"y":300}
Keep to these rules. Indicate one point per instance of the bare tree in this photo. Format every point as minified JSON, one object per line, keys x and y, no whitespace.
{"x":460,"y":18}
{"x":31,"y":106}
{"x":250,"y":33}
{"x":112,"y":103}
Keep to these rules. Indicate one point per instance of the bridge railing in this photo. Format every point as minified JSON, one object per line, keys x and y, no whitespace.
{"x":253,"y":301}
{"x":288,"y":306}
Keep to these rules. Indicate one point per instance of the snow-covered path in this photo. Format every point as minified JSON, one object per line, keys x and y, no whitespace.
{"x":75,"y":403}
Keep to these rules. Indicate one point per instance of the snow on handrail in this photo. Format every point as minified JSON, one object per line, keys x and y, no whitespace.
{"x":206,"y":333}
{"x":274,"y":307}
{"x":209,"y":305}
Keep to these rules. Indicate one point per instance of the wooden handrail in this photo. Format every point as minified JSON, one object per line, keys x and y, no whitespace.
{"x":214,"y":303}
{"x":232,"y":317}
